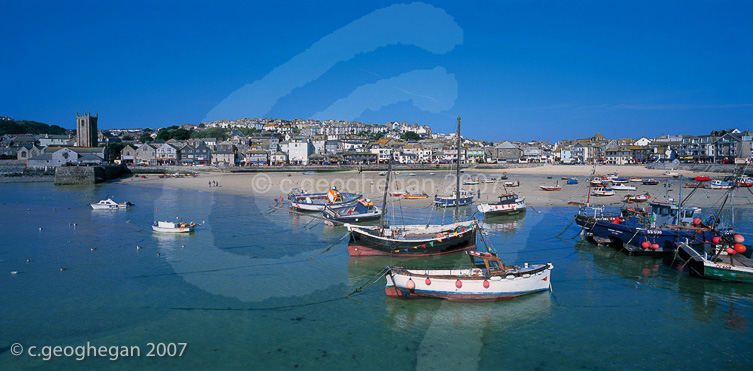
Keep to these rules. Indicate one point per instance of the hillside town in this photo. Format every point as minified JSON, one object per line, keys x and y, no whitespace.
{"x":277,"y":142}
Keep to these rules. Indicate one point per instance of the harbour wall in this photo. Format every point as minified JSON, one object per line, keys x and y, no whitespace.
{"x":83,"y":175}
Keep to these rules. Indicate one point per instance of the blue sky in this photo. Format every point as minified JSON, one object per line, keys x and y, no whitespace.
{"x":519,"y":70}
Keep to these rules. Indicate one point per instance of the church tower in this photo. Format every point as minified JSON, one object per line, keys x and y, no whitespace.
{"x":86,"y":130}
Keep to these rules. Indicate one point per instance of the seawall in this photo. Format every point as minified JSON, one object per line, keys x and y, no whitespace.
{"x":83,"y":175}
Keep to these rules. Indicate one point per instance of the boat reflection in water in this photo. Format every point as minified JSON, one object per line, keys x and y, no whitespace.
{"x":503,"y":223}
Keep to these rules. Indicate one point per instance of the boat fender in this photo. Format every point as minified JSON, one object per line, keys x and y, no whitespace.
{"x":410,"y":284}
{"x":428,"y":281}
{"x":486,"y":284}
{"x":458,"y":283}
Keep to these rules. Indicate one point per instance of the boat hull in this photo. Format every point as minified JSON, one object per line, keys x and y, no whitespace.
{"x":504,"y":209}
{"x":472,"y":284}
{"x":172,"y":230}
{"x":629,"y":238}
{"x":449,"y":202}
{"x":367,"y":242}
{"x":699,"y":266}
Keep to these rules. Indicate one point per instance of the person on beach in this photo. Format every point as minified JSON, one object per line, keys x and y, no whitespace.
{"x":210,"y":184}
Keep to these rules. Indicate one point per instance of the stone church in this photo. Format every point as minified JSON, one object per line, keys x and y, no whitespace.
{"x":86,"y":130}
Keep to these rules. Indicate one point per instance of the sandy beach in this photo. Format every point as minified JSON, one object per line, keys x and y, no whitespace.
{"x":371,"y":184}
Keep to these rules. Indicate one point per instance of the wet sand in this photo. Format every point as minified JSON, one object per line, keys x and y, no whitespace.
{"x":371,"y":184}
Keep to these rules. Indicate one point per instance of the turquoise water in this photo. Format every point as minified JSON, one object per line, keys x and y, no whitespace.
{"x":241,"y":292}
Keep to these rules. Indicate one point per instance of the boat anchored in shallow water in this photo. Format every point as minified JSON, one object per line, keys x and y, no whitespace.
{"x":109,"y":204}
{"x":173,"y":227}
{"x":488,"y":280}
{"x":300,"y":200}
{"x":466,"y":198}
{"x":508,"y":204}
{"x":363,"y":210}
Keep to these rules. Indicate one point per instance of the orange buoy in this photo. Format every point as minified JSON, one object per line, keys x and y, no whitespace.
{"x":696,"y":221}
{"x":458,"y":284}
{"x":740,"y":248}
{"x":739,"y":238}
{"x":410,"y":284}
{"x":428,"y":281}
{"x":716,"y":239}
{"x":731,"y":251}
{"x":655,"y":246}
{"x":486,"y":284}
{"x":645,"y":244}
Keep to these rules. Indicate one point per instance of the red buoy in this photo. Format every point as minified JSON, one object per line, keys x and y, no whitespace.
{"x":486,"y":284}
{"x":655,"y":246}
{"x":696,"y":221}
{"x":739,"y":238}
{"x":645,"y":244}
{"x":731,"y":251}
{"x":716,"y":239}
{"x":428,"y":281}
{"x":458,"y":284}
{"x":740,"y":248}
{"x":410,"y":284}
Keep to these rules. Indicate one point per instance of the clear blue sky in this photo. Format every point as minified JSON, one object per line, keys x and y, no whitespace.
{"x":518,"y":70}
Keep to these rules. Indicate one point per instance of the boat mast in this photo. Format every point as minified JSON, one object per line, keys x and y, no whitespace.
{"x":384,"y":198}
{"x":457,"y":177}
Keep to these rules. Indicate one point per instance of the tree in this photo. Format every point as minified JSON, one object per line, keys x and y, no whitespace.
{"x":181,"y":134}
{"x":410,"y":135}
{"x":146,"y":137}
{"x":163,"y":134}
{"x":114,"y":149}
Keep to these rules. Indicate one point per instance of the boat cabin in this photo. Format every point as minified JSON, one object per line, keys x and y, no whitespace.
{"x":671,"y":214}
{"x":507,"y":198}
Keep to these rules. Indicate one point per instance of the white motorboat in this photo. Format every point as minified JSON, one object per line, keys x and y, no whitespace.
{"x":109,"y":204}
{"x":601,"y":191}
{"x":172,"y":227}
{"x":622,"y":187}
{"x":508,"y":204}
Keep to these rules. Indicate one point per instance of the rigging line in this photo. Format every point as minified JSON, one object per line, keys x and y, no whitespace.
{"x":330,"y":246}
{"x":377,"y":277}
{"x":568,"y":226}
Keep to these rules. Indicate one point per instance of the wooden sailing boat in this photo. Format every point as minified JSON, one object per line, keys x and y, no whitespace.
{"x":488,"y":280}
{"x":413,"y":240}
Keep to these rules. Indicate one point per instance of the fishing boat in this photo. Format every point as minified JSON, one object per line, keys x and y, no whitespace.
{"x":707,"y":260}
{"x":618,"y":180}
{"x":572,"y":181}
{"x":109,"y":204}
{"x":382,"y":173}
{"x":302,"y":201}
{"x":173,"y":227}
{"x":658,"y":230}
{"x":601,"y":192}
{"x":412,"y":240}
{"x":622,"y":187}
{"x":466,"y":198}
{"x":702,"y":179}
{"x":650,"y":181}
{"x":550,"y":188}
{"x":512,"y":184}
{"x":637,"y":198}
{"x":363,"y":210}
{"x":744,"y":182}
{"x":471,"y":181}
{"x":395,"y":194}
{"x":695,"y":185}
{"x":503,"y":176}
{"x":635,"y":179}
{"x":489,"y":180}
{"x":720,"y":184}
{"x":671,"y":173}
{"x":411,"y":196}
{"x":487,"y":280}
{"x":508,"y":204}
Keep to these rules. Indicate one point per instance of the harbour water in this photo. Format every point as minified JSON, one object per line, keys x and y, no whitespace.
{"x":241,"y":292}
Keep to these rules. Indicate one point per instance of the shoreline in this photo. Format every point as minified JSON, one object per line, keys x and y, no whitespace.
{"x":371,"y":185}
